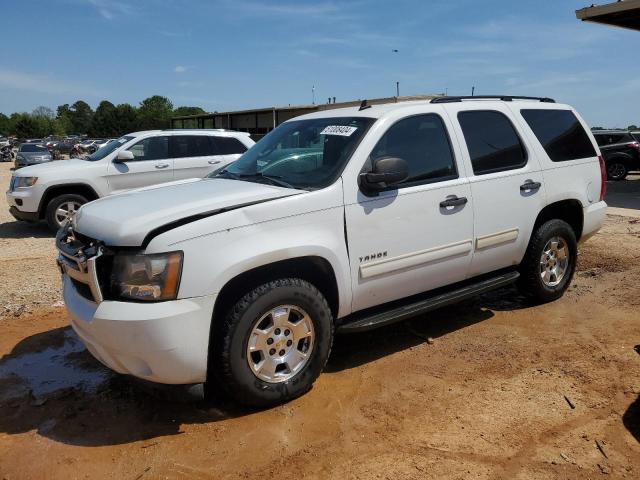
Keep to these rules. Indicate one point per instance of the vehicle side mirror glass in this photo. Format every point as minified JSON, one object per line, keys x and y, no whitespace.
{"x":386,"y":172}
{"x":124,"y":156}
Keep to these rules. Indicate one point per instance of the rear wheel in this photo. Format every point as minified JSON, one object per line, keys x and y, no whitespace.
{"x":616,"y":170}
{"x":62,"y":209}
{"x":549,"y":263}
{"x":272,"y":345}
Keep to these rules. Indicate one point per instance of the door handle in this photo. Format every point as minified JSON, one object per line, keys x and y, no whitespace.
{"x":453,"y":202}
{"x":162,"y":165}
{"x":529,"y":185}
{"x":213,"y":162}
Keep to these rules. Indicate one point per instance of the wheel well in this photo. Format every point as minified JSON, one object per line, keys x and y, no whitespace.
{"x":79,"y":189}
{"x":568,"y":210}
{"x":315,"y":270}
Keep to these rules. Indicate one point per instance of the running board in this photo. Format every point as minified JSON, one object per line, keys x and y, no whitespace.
{"x":361,"y":322}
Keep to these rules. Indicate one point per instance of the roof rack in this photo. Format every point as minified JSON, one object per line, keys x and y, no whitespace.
{"x":504,"y":98}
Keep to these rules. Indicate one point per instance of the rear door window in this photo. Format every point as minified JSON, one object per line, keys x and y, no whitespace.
{"x":229,"y":145}
{"x":182,"y":146}
{"x":494,"y":145}
{"x":560,"y":134}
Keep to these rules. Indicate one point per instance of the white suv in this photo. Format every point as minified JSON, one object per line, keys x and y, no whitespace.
{"x":341,"y":220}
{"x":55,"y":191}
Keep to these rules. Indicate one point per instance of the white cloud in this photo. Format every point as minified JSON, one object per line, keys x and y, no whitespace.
{"x":32,"y":82}
{"x":180,"y":69}
{"x":109,"y":9}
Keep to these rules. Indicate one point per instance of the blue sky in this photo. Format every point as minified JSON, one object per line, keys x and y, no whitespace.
{"x":229,"y":54}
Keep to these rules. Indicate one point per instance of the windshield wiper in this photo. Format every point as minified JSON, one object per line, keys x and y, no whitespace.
{"x":272,"y":179}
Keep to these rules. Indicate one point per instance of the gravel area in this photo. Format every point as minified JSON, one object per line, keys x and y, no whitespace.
{"x":29,"y":278}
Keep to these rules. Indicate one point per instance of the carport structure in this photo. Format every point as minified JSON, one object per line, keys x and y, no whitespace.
{"x":624,"y":13}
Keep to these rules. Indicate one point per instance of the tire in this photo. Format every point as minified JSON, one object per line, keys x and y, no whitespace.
{"x":531,"y":282}
{"x":51,"y":213}
{"x":230,"y":363}
{"x":617,"y":170}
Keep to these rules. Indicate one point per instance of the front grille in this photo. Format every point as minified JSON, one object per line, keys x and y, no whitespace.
{"x":78,"y":259}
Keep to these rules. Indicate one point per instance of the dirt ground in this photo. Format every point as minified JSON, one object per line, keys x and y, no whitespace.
{"x":502,"y":389}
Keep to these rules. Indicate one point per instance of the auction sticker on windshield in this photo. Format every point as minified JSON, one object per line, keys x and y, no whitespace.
{"x":342,"y":130}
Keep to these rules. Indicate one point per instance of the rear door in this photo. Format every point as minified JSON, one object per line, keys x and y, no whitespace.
{"x":194,"y":155}
{"x":229,"y":149}
{"x":506,"y":184}
{"x":151,"y":165}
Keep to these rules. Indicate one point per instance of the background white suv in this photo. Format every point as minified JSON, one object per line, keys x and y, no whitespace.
{"x":54,"y":192}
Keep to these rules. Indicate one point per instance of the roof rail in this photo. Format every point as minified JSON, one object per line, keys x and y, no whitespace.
{"x":504,"y":98}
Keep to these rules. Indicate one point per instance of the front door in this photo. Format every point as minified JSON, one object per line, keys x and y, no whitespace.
{"x":151,"y":165}
{"x":406,"y":240}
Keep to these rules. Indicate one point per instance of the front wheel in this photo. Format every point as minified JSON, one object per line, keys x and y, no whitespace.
{"x":62,"y":208}
{"x":273,"y":344}
{"x":550,"y":261}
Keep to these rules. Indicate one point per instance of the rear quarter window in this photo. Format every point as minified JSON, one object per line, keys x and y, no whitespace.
{"x":560,"y":134}
{"x":229,"y":145}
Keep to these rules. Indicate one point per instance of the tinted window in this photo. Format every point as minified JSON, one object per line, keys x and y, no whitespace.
{"x":423,"y":143}
{"x":152,"y":148}
{"x":560,"y":134}
{"x":492,"y":141}
{"x":229,"y":146}
{"x":612,"y":138}
{"x":191,"y":146}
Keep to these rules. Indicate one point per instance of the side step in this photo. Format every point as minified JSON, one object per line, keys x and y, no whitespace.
{"x":368,"y":320}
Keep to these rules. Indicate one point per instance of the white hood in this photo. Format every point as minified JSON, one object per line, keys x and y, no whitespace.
{"x":127,"y":218}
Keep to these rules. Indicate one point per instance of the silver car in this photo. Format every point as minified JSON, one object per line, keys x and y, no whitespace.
{"x":32,"y":154}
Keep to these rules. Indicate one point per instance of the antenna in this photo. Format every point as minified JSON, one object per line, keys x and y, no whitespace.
{"x":364,"y":105}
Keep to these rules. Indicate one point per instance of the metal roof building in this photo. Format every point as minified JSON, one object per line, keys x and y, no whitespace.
{"x":623,"y":13}
{"x":260,"y":121}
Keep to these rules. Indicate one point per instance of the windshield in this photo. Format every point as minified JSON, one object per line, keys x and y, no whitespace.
{"x":31,"y":147}
{"x":303,"y":154}
{"x":108,"y":148}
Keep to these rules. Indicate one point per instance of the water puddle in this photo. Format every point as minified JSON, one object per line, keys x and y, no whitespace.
{"x":39,"y":374}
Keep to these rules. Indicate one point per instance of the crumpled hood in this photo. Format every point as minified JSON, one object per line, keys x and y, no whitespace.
{"x":127,"y":218}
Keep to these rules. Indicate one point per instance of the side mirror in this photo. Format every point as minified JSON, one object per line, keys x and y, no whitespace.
{"x":386,"y":172}
{"x":124,"y":156}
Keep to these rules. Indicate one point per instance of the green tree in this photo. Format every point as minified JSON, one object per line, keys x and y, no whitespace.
{"x":184,"y":111}
{"x":632,"y":127}
{"x":43,"y":118}
{"x":104,"y":122}
{"x":5,"y":124}
{"x":25,"y":126}
{"x":126,"y":118}
{"x":80,"y":114}
{"x":155,"y":112}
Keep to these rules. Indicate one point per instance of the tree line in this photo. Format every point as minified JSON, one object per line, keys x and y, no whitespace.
{"x":108,"y":120}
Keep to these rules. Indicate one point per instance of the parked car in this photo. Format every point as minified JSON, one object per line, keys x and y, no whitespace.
{"x":4,"y":142}
{"x":621,"y":151}
{"x":32,"y":154}
{"x":55,"y":192}
{"x":241,"y":279}
{"x":62,"y":147}
{"x":34,"y":140}
{"x":105,"y":142}
{"x":89,"y":145}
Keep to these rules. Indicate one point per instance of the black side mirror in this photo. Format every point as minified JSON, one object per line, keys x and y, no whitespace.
{"x":386,"y":172}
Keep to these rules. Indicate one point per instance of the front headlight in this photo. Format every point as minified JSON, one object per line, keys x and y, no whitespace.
{"x":148,"y":278}
{"x":24,"y":182}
